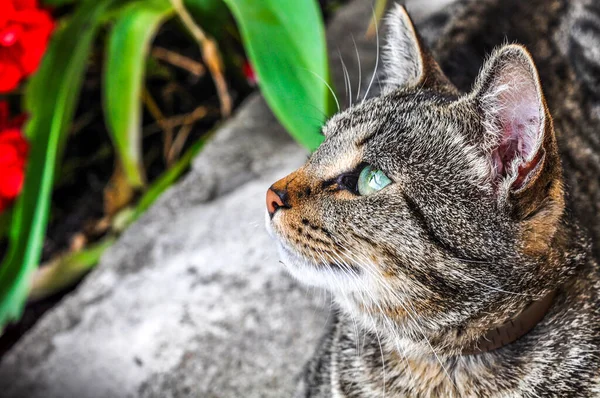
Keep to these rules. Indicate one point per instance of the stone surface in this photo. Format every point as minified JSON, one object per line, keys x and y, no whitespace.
{"x":191,"y":301}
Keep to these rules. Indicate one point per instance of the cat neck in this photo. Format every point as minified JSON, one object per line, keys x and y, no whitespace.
{"x":512,"y":329}
{"x":420,"y":367}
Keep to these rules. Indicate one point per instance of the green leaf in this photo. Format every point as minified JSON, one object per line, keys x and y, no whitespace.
{"x":67,"y":270}
{"x":50,"y":100}
{"x":285,"y":40}
{"x":127,"y":50}
{"x":5,"y":222}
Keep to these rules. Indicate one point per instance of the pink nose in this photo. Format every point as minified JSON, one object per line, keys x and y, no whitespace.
{"x":275,"y":200}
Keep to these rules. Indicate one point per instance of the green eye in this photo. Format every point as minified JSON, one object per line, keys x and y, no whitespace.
{"x":372,"y":180}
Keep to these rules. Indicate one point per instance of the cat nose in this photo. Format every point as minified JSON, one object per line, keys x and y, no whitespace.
{"x":276,"y":199}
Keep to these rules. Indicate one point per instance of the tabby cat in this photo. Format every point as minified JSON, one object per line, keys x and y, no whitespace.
{"x":454,"y":216}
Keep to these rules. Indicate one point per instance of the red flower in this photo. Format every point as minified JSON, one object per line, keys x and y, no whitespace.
{"x":248,"y":71}
{"x":24,"y":33}
{"x":13,"y":156}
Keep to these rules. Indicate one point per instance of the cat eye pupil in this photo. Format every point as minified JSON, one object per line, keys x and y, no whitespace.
{"x":348,"y":182}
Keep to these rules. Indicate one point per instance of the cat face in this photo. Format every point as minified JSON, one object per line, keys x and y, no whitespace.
{"x":424,"y":207}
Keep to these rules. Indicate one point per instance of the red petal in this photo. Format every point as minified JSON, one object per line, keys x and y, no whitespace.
{"x":10,"y":35}
{"x":9,"y":156}
{"x":249,"y":73}
{"x":7,"y":11}
{"x":30,"y":60}
{"x":10,"y":135}
{"x":14,"y":140}
{"x":11,"y":182}
{"x":10,"y":75}
{"x":32,"y":17}
{"x":25,"y":4}
{"x":31,"y":47}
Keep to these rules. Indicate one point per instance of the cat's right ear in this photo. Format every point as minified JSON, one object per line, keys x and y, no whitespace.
{"x":407,"y":60}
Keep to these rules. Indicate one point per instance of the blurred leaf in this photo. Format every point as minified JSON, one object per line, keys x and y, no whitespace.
{"x":50,"y":100}
{"x":123,"y":219}
{"x":66,"y":270}
{"x":286,"y":44}
{"x":128,"y":47}
{"x":378,"y":13}
{"x":4,"y":222}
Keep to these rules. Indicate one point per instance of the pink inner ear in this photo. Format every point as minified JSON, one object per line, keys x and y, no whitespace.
{"x":516,"y":106}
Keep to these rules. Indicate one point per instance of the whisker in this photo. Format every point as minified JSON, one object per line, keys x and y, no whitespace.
{"x":400,"y":301}
{"x":377,"y":54}
{"x":429,"y":344}
{"x":359,"y":69}
{"x":348,"y":268}
{"x":337,"y":103}
{"x":347,"y":82}
{"x":497,"y":289}
{"x":387,"y":320}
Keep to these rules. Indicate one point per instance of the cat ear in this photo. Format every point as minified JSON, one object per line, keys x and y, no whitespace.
{"x":519,"y":134}
{"x":407,"y":60}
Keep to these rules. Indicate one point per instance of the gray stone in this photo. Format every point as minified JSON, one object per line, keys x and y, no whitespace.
{"x":191,"y":301}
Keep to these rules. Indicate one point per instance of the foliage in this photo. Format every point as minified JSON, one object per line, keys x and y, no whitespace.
{"x":68,"y":269}
{"x":290,"y":61}
{"x":131,"y":34}
{"x":292,"y":70}
{"x":50,"y":100}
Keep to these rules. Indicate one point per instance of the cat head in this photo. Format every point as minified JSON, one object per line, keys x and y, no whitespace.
{"x":424,"y":208}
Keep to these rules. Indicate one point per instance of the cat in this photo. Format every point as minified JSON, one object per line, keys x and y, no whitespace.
{"x":455,"y":217}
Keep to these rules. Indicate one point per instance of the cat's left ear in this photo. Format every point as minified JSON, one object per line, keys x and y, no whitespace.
{"x":518,"y":133}
{"x":407,"y":59}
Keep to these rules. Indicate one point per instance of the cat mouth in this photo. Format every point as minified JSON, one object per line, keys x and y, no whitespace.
{"x":321,"y":274}
{"x":326,"y":275}
{"x":316,"y":270}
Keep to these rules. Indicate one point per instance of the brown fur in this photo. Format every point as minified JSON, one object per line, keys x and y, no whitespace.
{"x":478,"y":221}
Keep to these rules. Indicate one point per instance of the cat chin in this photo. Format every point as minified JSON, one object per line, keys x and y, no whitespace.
{"x":319,"y":275}
{"x":315,"y":274}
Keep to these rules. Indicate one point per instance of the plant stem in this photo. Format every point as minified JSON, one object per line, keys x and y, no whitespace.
{"x":181,"y":61}
{"x":210,"y":55}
